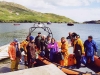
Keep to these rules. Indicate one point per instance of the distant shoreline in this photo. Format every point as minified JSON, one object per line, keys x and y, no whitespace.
{"x":46,"y":22}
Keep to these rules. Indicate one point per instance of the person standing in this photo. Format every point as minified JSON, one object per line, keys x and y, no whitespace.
{"x":71,"y":37}
{"x":53,"y":46}
{"x":64,"y":51}
{"x":31,"y":56}
{"x":38,"y":40}
{"x":18,"y":53}
{"x":90,"y":49}
{"x":78,"y":51}
{"x":14,"y":55}
{"x":43,"y":40}
{"x":47,"y":51}
{"x":23,"y":49}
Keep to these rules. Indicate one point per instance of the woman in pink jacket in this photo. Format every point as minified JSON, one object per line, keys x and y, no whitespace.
{"x":53,"y":46}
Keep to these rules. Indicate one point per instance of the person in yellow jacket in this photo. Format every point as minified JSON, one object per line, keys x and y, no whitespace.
{"x":78,"y":51}
{"x":23,"y":46}
{"x":64,"y":51}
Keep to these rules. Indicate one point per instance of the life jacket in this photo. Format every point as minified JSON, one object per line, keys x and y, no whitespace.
{"x":23,"y":45}
{"x":12,"y":51}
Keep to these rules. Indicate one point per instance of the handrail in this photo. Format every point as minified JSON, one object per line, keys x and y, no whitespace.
{"x":67,"y":71}
{"x":47,"y":29}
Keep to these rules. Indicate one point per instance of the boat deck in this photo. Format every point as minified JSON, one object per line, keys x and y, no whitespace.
{"x":42,"y":70}
{"x":85,"y":69}
{"x":93,"y":69}
{"x":90,"y":68}
{"x":6,"y":68}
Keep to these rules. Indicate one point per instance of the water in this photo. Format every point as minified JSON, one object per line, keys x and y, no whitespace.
{"x":8,"y":31}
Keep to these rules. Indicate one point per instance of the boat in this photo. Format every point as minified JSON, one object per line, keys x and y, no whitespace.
{"x":4,"y":52}
{"x":71,"y":59}
{"x":48,"y":22}
{"x":16,"y":24}
{"x":42,"y":26}
{"x":70,"y":24}
{"x":65,"y":69}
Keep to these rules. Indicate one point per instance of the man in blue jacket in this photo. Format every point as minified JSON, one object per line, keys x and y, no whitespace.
{"x":90,"y":49}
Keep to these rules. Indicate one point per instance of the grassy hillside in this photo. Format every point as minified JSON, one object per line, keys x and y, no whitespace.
{"x":11,"y":12}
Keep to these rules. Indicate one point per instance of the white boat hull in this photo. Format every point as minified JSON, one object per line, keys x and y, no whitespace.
{"x":4,"y":52}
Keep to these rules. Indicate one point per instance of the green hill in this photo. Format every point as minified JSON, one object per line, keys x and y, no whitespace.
{"x":12,"y":12}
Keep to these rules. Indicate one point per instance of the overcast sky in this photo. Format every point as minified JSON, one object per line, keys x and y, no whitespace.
{"x":78,"y":10}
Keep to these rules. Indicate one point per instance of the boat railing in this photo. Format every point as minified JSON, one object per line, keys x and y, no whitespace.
{"x":42,"y":26}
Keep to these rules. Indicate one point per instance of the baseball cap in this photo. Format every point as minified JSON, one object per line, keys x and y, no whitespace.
{"x":39,"y":32}
{"x":15,"y":40}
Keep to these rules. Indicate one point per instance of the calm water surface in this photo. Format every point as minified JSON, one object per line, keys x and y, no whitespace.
{"x":8,"y":31}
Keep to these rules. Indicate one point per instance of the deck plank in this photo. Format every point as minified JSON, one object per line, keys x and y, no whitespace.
{"x":42,"y":70}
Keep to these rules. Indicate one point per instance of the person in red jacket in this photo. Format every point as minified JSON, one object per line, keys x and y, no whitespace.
{"x":13,"y":55}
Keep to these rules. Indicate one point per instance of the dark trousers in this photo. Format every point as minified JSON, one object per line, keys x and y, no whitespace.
{"x":29,"y":62}
{"x":47,"y":53}
{"x":58,"y":57}
{"x":38,"y":46}
{"x":91,"y":58}
{"x":52,"y":57}
{"x":78,"y":61}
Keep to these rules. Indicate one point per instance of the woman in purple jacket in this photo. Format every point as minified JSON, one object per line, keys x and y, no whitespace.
{"x":53,"y":46}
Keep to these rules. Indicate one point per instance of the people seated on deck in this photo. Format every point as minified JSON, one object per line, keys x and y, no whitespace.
{"x":78,"y":50}
{"x":53,"y":46}
{"x":23,"y":49}
{"x":48,"y":41}
{"x":64,"y":50}
{"x":38,"y":41}
{"x":72,"y":37}
{"x":90,"y":50}
{"x":14,"y":54}
{"x":31,"y":52}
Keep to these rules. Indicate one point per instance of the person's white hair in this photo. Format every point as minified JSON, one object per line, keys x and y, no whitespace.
{"x":44,"y":35}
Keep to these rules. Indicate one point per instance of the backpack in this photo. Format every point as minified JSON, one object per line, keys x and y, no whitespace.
{"x":83,"y":60}
{"x":18,"y":52}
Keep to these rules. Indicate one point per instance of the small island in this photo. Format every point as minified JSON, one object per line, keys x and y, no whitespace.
{"x":92,"y":22}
